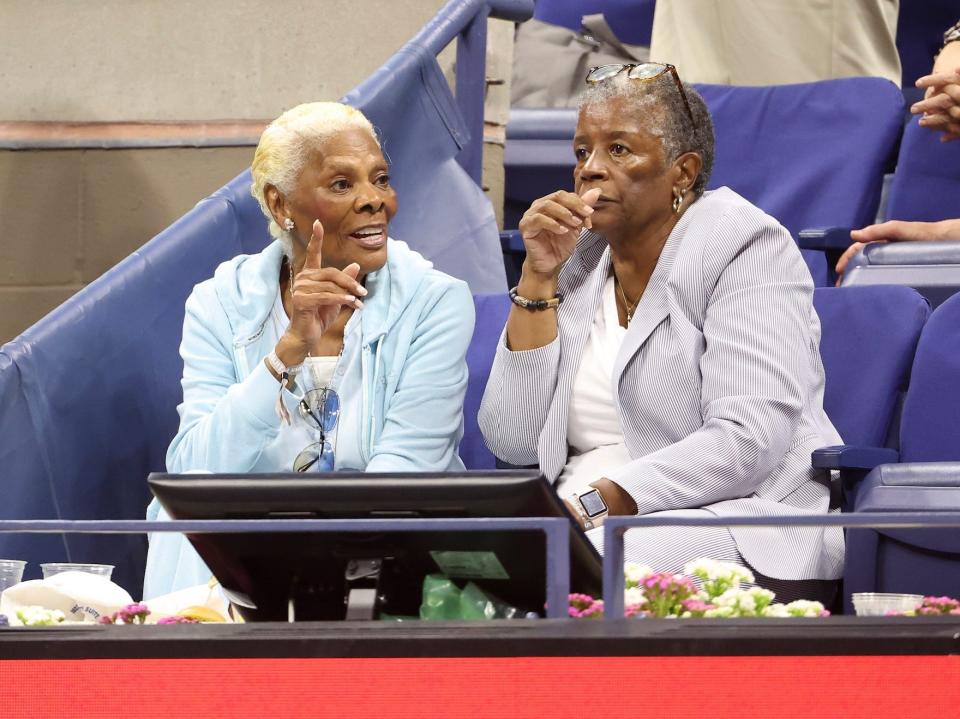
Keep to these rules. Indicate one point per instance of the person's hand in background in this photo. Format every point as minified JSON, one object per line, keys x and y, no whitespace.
{"x":898,"y":231}
{"x":940,"y":106}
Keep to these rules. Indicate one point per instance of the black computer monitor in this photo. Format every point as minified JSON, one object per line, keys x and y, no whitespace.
{"x":266,"y":575}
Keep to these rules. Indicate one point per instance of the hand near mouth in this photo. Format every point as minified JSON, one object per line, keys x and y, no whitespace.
{"x":551,"y":226}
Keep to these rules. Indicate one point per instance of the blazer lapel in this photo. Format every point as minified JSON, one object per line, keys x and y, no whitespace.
{"x":654,"y":306}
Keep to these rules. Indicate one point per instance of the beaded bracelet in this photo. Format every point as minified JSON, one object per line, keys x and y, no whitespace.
{"x":528,"y":304}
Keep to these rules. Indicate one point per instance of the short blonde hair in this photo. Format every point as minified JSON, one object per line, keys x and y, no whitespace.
{"x":286,"y":144}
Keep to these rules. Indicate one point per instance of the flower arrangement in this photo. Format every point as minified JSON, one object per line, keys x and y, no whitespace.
{"x":932,"y":606}
{"x":662,"y":594}
{"x":137,"y":613}
{"x":39,"y":616}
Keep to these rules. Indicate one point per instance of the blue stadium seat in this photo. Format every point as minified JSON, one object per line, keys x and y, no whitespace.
{"x":926,"y":188}
{"x":492,"y":311}
{"x":812,"y":155}
{"x":868,"y":339}
{"x":630,"y":20}
{"x":924,"y":561}
{"x":913,"y":561}
{"x":931,"y":268}
{"x":926,"y":184}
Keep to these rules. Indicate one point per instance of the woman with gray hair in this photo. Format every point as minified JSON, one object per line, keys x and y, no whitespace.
{"x":336,"y":347}
{"x":662,"y":353}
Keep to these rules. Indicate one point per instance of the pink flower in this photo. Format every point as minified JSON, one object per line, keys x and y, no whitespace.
{"x":696,"y":607}
{"x":177,"y":620}
{"x":583,"y":606}
{"x":133,"y":613}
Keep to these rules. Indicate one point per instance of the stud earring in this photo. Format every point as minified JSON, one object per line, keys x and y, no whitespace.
{"x":288,"y":224}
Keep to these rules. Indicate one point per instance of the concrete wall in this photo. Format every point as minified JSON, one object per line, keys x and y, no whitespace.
{"x":68,"y":215}
{"x":158,"y":60}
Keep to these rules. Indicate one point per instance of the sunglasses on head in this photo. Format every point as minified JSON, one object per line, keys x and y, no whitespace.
{"x":644,"y":72}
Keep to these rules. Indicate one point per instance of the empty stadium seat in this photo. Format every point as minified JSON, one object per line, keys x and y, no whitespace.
{"x":630,"y":20}
{"x":913,"y":561}
{"x":927,"y":480}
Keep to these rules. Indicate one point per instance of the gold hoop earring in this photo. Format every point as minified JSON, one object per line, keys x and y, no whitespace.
{"x":677,"y":200}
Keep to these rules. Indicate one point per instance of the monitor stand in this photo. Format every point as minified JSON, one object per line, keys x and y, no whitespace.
{"x":363,"y":591}
{"x":363,"y":588}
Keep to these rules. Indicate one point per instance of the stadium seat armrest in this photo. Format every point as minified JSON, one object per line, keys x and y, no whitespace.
{"x":824,"y":238}
{"x":848,"y":456}
{"x":512,"y":241}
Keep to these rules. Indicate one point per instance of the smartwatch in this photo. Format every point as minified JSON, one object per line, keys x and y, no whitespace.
{"x":591,"y":507}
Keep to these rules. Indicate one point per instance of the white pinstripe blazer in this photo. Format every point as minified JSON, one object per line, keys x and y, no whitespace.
{"x":719,"y":383}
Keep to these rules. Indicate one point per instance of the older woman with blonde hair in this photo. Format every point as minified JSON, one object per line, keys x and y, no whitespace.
{"x":336,"y":347}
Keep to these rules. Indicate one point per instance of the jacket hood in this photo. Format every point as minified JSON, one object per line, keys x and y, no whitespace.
{"x":247,"y":287}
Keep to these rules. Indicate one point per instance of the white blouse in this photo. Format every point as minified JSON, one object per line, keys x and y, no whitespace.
{"x":596,"y":440}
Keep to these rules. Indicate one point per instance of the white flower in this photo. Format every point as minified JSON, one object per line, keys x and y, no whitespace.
{"x":804,"y":608}
{"x":776,"y":611}
{"x":712,"y":570}
{"x":722,"y":612}
{"x":34,"y":616}
{"x":762,"y":597}
{"x":741,"y":602}
{"x":635,"y":573}
{"x":703,"y":566}
{"x":728,"y":599}
{"x":633,"y":595}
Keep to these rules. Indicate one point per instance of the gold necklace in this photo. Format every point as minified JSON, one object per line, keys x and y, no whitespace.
{"x":628,"y":307}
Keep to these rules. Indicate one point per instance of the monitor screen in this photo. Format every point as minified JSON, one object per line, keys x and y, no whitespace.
{"x":263,"y":573}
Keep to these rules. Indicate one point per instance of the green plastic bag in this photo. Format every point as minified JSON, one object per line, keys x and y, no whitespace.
{"x":443,"y":599}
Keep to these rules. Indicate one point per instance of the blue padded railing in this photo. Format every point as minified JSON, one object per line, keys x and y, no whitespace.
{"x":614,"y":529}
{"x":88,"y":394}
{"x":556,"y":531}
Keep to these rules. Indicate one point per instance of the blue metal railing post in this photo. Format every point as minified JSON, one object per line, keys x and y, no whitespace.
{"x":471,"y":89}
{"x":615,"y":528}
{"x":613,"y":581}
{"x":558,"y":567}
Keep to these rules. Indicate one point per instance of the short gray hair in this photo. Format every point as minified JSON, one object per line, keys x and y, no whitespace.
{"x":661,"y":98}
{"x":286,"y":145}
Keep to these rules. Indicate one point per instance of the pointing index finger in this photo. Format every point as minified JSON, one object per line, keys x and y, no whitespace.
{"x":315,"y":247}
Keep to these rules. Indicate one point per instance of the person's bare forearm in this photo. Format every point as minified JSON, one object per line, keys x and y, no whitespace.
{"x":532,"y":329}
{"x":949,"y":58}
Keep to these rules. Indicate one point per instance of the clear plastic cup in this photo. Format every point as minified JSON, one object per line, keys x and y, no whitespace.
{"x":101,"y":570}
{"x":878,"y":604}
{"x":11,"y":572}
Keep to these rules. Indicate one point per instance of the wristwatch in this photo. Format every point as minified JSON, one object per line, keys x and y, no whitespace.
{"x":591,"y":508}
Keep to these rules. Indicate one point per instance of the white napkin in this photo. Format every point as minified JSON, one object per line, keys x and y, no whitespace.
{"x":81,"y":596}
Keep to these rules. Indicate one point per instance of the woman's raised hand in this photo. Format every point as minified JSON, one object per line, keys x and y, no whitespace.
{"x":317,"y":296}
{"x":551,"y":226}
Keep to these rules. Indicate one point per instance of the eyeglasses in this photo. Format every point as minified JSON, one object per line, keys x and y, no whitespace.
{"x":644,"y":72}
{"x":321,"y":409}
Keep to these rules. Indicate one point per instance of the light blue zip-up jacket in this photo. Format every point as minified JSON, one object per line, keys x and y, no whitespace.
{"x":416,"y":324}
